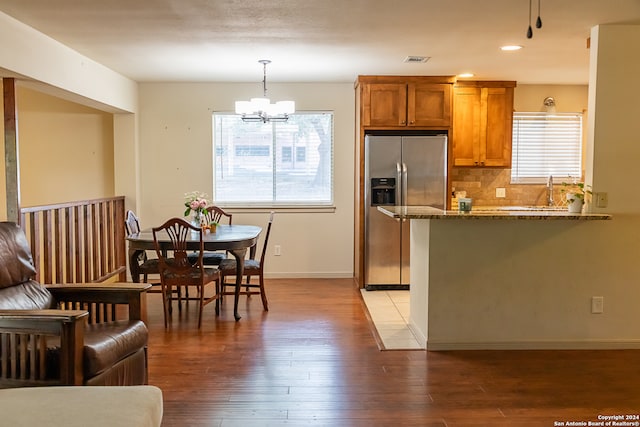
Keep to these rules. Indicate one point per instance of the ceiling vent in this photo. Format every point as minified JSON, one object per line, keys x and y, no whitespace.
{"x":416,"y":59}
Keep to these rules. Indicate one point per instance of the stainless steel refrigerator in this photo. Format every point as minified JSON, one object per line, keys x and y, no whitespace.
{"x":404,"y":171}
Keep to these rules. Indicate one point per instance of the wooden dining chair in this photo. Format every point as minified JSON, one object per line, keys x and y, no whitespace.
{"x":252,"y":267}
{"x":146,"y":265}
{"x":213,"y":214}
{"x":179,"y":272}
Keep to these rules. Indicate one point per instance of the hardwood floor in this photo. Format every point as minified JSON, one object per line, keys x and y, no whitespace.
{"x":312,"y":360}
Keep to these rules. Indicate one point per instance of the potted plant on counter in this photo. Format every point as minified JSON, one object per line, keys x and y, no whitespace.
{"x":576,"y":195}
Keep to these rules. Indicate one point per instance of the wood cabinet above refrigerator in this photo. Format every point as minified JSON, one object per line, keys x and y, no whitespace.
{"x":405,"y":101}
{"x":482,"y":123}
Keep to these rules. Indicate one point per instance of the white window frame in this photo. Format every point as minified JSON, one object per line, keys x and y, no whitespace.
{"x":546,"y":144}
{"x":292,"y":205}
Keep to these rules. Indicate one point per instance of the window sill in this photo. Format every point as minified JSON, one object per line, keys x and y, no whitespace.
{"x":278,"y":209}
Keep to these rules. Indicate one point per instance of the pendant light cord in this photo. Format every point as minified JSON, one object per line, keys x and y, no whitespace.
{"x":264,"y":76}
{"x":529,"y":30}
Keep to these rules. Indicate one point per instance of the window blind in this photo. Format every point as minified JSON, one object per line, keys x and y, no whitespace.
{"x":546,"y":144}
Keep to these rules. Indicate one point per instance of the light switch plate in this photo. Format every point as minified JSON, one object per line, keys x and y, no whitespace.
{"x":597,"y":305}
{"x":501,"y":192}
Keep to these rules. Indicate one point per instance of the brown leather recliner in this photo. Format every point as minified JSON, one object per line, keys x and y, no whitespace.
{"x":95,"y":341}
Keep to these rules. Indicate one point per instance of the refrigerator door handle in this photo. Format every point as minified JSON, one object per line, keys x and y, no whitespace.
{"x":398,"y":200}
{"x":404,"y":184}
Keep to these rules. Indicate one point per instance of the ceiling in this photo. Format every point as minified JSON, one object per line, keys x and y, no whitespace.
{"x":327,"y":40}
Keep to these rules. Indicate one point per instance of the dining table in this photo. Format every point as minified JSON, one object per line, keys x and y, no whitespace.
{"x":235,"y":239}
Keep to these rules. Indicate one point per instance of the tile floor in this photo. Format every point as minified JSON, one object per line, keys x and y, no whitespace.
{"x":389,"y":311}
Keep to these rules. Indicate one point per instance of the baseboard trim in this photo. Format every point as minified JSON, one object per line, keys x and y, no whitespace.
{"x":310,"y":275}
{"x":387,"y":287}
{"x":536,"y":345}
{"x":422,"y":340}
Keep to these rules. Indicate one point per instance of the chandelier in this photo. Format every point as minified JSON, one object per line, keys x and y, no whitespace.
{"x":261,"y":109}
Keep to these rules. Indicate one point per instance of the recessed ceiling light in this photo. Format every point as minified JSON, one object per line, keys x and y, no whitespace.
{"x":511,"y":47}
{"x":416,"y":59}
{"x":465,"y":75}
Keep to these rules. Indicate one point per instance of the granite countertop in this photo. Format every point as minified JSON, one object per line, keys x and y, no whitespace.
{"x":509,"y":213}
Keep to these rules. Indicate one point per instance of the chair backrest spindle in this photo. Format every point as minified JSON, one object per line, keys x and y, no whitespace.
{"x":178,"y":231}
{"x":266,"y":239}
{"x":215,"y":214}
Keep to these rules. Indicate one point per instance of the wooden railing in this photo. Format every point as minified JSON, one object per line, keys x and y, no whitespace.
{"x":77,"y":242}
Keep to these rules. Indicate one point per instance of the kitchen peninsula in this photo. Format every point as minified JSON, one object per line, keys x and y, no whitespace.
{"x":503,"y":279}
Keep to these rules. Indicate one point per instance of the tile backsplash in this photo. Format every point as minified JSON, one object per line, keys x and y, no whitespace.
{"x":480,"y":184}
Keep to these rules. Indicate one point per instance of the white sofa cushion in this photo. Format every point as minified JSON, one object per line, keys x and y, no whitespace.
{"x":95,"y":406}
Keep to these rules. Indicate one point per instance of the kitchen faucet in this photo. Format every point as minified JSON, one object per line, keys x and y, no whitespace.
{"x":550,"y":191}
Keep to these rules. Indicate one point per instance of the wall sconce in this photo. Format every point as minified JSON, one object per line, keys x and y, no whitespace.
{"x":549,"y":105}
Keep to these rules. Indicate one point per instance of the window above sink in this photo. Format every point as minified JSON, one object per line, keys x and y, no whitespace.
{"x":544,"y":145}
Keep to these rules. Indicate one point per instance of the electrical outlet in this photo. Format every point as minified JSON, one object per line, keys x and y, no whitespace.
{"x":276,"y":250}
{"x":602,"y":200}
{"x":597,"y":305}
{"x":501,"y":192}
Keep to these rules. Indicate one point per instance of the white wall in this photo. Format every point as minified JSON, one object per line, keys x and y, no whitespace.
{"x":176,"y":157}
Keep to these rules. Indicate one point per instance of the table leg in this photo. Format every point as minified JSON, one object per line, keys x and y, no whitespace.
{"x":134,"y":267}
{"x":239,"y":255}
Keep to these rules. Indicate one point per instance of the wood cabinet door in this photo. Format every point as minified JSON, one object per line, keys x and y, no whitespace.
{"x":428,"y":104}
{"x":384,"y":104}
{"x":466,"y":126}
{"x":482,"y":126}
{"x":497,"y":126}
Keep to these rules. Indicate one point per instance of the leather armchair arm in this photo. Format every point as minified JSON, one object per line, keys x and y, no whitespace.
{"x":46,"y":321}
{"x":134,"y":295}
{"x":24,"y":335}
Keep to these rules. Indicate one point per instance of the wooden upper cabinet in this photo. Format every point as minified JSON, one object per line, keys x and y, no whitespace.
{"x":482,"y":124}
{"x":428,"y":104}
{"x":466,"y":126}
{"x":498,"y":128}
{"x":411,"y":101}
{"x":384,"y":104}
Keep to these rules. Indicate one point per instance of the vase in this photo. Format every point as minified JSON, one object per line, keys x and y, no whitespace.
{"x":574,"y":204}
{"x":198,"y":219}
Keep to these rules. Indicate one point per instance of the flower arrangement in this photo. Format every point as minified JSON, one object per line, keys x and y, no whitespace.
{"x":196,"y":202}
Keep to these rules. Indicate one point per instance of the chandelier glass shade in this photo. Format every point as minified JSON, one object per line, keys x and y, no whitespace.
{"x":261,"y":109}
